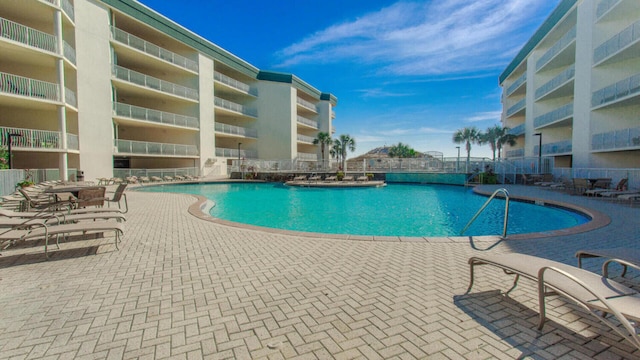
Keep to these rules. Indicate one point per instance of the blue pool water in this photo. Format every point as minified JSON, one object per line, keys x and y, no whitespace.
{"x":394,"y":210}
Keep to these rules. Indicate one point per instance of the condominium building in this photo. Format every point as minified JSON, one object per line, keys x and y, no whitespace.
{"x":574,"y":87}
{"x":113,"y":87}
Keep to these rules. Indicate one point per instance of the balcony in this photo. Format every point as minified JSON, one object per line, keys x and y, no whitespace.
{"x":517,"y":130}
{"x":28,"y":36}
{"x":306,"y":104}
{"x":517,"y":107}
{"x":604,"y":6}
{"x":156,"y":116}
{"x":554,"y":117}
{"x":516,"y":84}
{"x":515,"y":153}
{"x":236,"y":130}
{"x":622,"y":90}
{"x":229,"y":105}
{"x":305,"y":139}
{"x":557,"y":48}
{"x":154,"y":83}
{"x":153,"y":49}
{"x":36,"y":139}
{"x":233,"y":153}
{"x":153,"y":148}
{"x":69,"y":52}
{"x":70,"y":97}
{"x":623,"y":139}
{"x":307,"y":122}
{"x":558,"y":83}
{"x":624,"y":41}
{"x":234,"y":84}
{"x":66,"y":7}
{"x":18,"y":85}
{"x":307,"y":156}
{"x":555,"y":148}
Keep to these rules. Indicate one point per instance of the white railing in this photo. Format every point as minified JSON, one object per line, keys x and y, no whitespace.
{"x":604,"y":6}
{"x":616,"y":140}
{"x":517,"y":130}
{"x":308,"y":122}
{"x":307,"y":156}
{"x":306,"y":104}
{"x":557,"y":114}
{"x":68,"y":9}
{"x":514,"y":153}
{"x":154,"y":148}
{"x":18,"y":85}
{"x":617,"y":42}
{"x":236,"y":84}
{"x":559,"y":147}
{"x":36,"y":139}
{"x":306,"y":139}
{"x":621,"y":89}
{"x":154,"y":83}
{"x":565,"y":40}
{"x":236,"y":130}
{"x":157,"y":116}
{"x":556,"y":82}
{"x":229,"y":105}
{"x":233,"y":153}
{"x":28,"y":36}
{"x":123,"y":173}
{"x":70,"y":97}
{"x":153,"y":49}
{"x":516,"y":107}
{"x":69,"y":52}
{"x":516,"y":84}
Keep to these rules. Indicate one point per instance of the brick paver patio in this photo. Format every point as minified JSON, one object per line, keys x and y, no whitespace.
{"x":182,"y":287}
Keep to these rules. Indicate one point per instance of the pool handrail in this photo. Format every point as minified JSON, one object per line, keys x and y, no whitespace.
{"x":506,"y":211}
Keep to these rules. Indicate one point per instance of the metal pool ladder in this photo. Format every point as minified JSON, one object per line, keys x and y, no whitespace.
{"x":506,"y":211}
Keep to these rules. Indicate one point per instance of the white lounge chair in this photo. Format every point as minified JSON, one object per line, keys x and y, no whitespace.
{"x":591,"y":291}
{"x":627,"y":257}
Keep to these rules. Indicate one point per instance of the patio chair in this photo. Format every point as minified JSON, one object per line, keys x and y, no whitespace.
{"x":591,"y":291}
{"x":118,"y":196}
{"x":167,"y":178}
{"x":156,"y":179}
{"x":48,"y":203}
{"x":347,"y":178}
{"x":331,"y":178}
{"x":580,"y":185}
{"x":362,"y":178}
{"x":626,"y":257}
{"x":599,"y":188}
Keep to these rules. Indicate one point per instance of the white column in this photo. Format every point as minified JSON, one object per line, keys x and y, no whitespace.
{"x":62,"y":112}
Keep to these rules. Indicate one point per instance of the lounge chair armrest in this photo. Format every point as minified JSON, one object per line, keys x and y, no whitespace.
{"x":624,"y":263}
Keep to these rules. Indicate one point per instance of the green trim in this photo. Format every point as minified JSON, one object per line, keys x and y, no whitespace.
{"x":296,"y":82}
{"x":163,"y":24}
{"x":275,"y":76}
{"x":329,"y":97}
{"x":556,"y":15}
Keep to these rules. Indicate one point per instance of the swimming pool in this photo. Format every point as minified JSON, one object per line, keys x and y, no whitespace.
{"x":394,"y":210}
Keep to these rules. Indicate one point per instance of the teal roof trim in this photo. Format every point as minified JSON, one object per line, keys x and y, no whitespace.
{"x":558,"y":13}
{"x":157,"y":21}
{"x":289,"y":79}
{"x":329,"y":97}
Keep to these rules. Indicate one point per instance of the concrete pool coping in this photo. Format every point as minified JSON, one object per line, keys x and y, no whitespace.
{"x":598,"y":220}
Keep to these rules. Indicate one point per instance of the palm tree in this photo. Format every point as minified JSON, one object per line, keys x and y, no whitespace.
{"x":491,"y":137}
{"x":470,"y":135}
{"x":505,"y":138}
{"x":401,"y":151}
{"x":324,"y":139}
{"x":342,"y":144}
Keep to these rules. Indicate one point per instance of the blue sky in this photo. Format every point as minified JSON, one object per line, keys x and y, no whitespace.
{"x":403,"y":71}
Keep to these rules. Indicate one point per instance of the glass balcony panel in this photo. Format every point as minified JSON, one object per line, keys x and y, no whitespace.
{"x":565,"y":40}
{"x":236,"y":130}
{"x":68,"y":9}
{"x":604,"y":6}
{"x":517,"y":83}
{"x":617,"y":42}
{"x":516,"y":107}
{"x":304,"y":138}
{"x":153,"y":148}
{"x":308,"y":122}
{"x":233,"y":153}
{"x":229,"y":105}
{"x":236,"y":84}
{"x":554,"y":115}
{"x":616,"y":140}
{"x":517,"y":130}
{"x":69,"y":52}
{"x":306,"y":104}
{"x":70,"y":97}
{"x":554,"y":83}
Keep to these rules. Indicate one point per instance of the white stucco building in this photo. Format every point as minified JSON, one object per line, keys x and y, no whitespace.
{"x":575,"y":87}
{"x":113,"y":87}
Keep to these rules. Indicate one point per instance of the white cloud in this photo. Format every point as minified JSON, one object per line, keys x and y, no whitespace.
{"x":485,"y":116}
{"x":425,"y":38}
{"x":379,"y":93}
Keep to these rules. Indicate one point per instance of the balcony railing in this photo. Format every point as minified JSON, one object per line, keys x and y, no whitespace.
{"x":154,"y":83}
{"x":236,"y":130}
{"x":560,"y":147}
{"x":515,"y":153}
{"x":229,"y":105}
{"x":516,"y":84}
{"x":18,"y":85}
{"x":308,"y":122}
{"x":557,"y":114}
{"x":516,"y":107}
{"x":157,"y":116}
{"x":36,"y":139}
{"x":621,"y":89}
{"x":153,"y":49}
{"x":617,"y":42}
{"x":69,"y":52}
{"x":307,"y":157}
{"x":517,"y":130}
{"x":123,"y":173}
{"x":305,"y":138}
{"x":28,"y":36}
{"x":239,"y":85}
{"x":604,"y":6}
{"x":616,"y":140}
{"x":233,"y":153}
{"x":565,"y":40}
{"x":153,"y":148}
{"x":306,"y":104}
{"x":70,"y":97}
{"x":554,"y":83}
